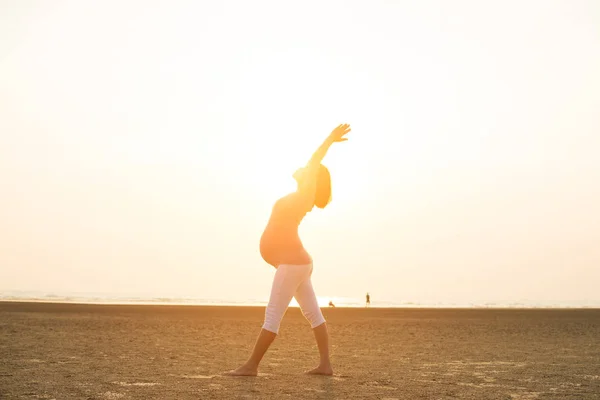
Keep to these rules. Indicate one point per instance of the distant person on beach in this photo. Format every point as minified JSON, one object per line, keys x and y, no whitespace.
{"x":331,"y":304}
{"x":281,"y":247}
{"x":368,"y":300}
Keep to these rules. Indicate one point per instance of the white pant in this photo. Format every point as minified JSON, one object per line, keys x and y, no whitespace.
{"x":292,"y":281}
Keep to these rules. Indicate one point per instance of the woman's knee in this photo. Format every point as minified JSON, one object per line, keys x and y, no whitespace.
{"x":314,"y":316}
{"x":273,"y":316}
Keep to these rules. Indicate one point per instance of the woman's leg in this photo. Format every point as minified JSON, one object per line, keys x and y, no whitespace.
{"x":250,"y":367}
{"x":322,"y":338}
{"x":285,"y":283}
{"x":306,"y":298}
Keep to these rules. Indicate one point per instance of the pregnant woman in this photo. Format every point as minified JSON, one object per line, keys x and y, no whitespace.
{"x":281,"y":247}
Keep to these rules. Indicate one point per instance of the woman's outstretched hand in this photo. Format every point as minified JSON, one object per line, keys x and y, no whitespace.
{"x":337,"y":135}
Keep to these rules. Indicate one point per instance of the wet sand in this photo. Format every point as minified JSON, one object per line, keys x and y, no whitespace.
{"x":68,"y":351}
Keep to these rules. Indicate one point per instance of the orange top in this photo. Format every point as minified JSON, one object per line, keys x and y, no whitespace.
{"x":280,"y":242}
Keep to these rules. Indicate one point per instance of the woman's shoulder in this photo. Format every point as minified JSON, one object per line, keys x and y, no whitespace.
{"x":287,"y":200}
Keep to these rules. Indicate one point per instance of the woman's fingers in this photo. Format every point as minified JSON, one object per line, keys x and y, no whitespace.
{"x":339,"y":132}
{"x":345,"y":128}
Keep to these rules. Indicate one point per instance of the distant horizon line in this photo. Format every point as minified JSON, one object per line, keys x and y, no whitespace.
{"x":339,"y":302}
{"x":414,"y":307}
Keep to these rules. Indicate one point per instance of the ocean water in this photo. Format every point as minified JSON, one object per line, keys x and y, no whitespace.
{"x":111,"y":298}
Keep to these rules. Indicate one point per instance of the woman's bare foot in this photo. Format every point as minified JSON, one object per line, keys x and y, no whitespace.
{"x":321,"y":370}
{"x":244,"y":370}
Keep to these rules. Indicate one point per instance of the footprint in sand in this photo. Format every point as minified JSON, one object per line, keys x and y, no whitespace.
{"x":591,"y":377}
{"x":136,"y":383}
{"x":314,"y":390}
{"x":525,"y":396}
{"x":215,"y":386}
{"x":112,"y":395}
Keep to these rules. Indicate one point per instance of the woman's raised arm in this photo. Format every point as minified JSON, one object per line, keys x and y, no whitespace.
{"x":337,"y":135}
{"x":308,"y":184}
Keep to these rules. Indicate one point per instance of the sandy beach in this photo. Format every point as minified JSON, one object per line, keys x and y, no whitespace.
{"x":70,"y":351}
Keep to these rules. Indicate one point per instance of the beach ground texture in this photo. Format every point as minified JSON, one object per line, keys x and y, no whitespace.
{"x":72,"y":351}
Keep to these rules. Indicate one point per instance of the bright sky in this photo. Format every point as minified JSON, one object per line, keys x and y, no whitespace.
{"x":143,"y":143}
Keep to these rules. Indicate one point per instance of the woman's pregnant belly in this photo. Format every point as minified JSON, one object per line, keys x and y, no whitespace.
{"x":282,"y":245}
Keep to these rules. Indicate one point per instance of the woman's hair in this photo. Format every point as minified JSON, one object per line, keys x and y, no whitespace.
{"x":323,"y":194}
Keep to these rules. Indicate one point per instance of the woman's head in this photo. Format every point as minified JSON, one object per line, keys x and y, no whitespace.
{"x":323,"y":193}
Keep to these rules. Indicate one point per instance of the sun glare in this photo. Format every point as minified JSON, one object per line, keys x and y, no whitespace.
{"x":270,"y":176}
